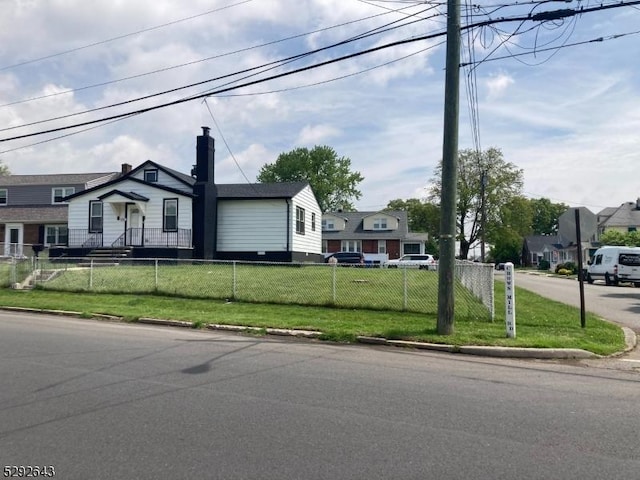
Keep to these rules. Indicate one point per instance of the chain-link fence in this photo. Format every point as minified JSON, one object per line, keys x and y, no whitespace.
{"x":401,"y":289}
{"x":15,"y":270}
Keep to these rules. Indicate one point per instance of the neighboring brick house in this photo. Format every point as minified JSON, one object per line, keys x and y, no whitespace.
{"x":379,"y":235}
{"x":31,"y":210}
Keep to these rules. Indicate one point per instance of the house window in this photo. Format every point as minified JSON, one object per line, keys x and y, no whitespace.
{"x":4,"y":196}
{"x":379,"y":223}
{"x":382,"y":246}
{"x":631,"y":229}
{"x":328,"y":224}
{"x":409,"y":248}
{"x":56,"y":235}
{"x":313,"y":222}
{"x":300,"y":220}
{"x":151,"y":176}
{"x":170,"y":222}
{"x":351,"y":246}
{"x":58,"y":193}
{"x":95,"y":216}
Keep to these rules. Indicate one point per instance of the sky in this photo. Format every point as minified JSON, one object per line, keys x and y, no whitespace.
{"x":560,"y":106}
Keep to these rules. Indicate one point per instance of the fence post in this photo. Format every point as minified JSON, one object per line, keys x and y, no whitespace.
{"x":405,"y":293}
{"x":91,"y":275}
{"x":333,"y":283}
{"x":14,"y":273}
{"x":235,"y":279}
{"x":156,"y":262}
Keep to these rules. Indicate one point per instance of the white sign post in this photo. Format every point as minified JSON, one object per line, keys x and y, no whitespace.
{"x":510,"y":300}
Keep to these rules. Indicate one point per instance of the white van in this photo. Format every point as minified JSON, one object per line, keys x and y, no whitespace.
{"x":614,"y":265}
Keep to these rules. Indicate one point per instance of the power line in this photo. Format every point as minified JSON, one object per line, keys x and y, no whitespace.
{"x":120,"y":37}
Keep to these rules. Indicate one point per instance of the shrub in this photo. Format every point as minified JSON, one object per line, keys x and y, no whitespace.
{"x":570,"y":266}
{"x":544,"y":265}
{"x":564,"y":271}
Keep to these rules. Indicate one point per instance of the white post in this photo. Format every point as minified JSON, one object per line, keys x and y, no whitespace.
{"x":510,"y":300}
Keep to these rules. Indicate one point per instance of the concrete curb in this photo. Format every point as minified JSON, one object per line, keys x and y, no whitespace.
{"x":487,"y":351}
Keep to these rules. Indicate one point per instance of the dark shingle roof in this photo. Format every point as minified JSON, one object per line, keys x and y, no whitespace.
{"x":54,"y":179}
{"x":260,"y":190}
{"x":353,"y":229}
{"x":34,"y":214}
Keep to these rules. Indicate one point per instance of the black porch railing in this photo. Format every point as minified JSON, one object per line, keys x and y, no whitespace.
{"x":154,"y":237}
{"x":79,"y":237}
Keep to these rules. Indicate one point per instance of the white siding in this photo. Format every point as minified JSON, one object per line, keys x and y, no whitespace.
{"x":252,"y":225}
{"x":368,"y":223}
{"x":311,"y":241}
{"x":164,"y":179}
{"x":112,"y":227}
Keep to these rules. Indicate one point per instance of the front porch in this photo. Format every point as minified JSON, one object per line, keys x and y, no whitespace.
{"x":142,"y":242}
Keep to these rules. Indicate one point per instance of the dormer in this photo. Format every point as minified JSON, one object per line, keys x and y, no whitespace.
{"x":380,"y":221}
{"x":333,"y":223}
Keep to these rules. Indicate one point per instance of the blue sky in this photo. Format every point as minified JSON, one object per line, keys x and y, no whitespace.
{"x":568,"y":117}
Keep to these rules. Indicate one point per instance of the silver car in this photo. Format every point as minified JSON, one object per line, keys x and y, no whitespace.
{"x":421,"y":261}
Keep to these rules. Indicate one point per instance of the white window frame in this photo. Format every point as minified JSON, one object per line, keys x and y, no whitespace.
{"x":63,"y":192}
{"x":380,"y":223}
{"x":405,"y":245}
{"x":93,"y":215}
{"x":4,"y":197}
{"x":382,"y":246}
{"x":351,"y":246}
{"x":169,"y":203}
{"x":56,"y":234}
{"x":299,"y":220}
{"x":328,"y":224}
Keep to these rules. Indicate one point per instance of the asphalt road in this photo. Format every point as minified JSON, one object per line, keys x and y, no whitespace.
{"x":619,"y":304}
{"x":100,"y":400}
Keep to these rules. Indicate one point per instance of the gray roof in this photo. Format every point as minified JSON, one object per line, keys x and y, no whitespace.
{"x":626,"y":215}
{"x":260,"y":190}
{"x":54,"y":179}
{"x":35,"y":214}
{"x":353,"y":229}
{"x":536,"y":243}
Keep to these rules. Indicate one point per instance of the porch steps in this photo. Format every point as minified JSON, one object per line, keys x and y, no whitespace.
{"x":107,"y":255}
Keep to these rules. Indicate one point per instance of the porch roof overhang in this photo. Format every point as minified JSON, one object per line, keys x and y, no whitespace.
{"x":119,"y":199}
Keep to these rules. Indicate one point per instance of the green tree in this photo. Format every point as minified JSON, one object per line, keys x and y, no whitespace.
{"x":616,"y":237}
{"x":422,"y":216}
{"x":330,"y":176}
{"x":502,"y":182}
{"x":546,"y":215}
{"x":514,"y":224}
{"x":4,"y":170}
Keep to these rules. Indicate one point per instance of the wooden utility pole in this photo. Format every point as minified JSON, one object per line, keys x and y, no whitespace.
{"x":448,"y":200}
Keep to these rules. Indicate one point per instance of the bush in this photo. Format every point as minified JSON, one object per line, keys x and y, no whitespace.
{"x":570,"y":267}
{"x":544,"y":265}
{"x":564,"y":271}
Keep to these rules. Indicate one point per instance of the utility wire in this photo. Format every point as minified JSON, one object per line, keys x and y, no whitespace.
{"x":546,"y":16}
{"x":120,"y":37}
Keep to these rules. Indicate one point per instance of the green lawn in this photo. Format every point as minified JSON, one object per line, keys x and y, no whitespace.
{"x":540,"y":322}
{"x":318,"y":285}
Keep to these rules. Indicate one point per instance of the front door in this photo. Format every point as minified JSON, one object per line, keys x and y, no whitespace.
{"x":134,"y":226}
{"x":13,"y":238}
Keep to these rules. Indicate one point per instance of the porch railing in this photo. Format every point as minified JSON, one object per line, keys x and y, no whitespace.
{"x":154,"y":237}
{"x":79,"y":237}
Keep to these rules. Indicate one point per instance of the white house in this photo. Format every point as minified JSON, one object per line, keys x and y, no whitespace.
{"x":153,"y":211}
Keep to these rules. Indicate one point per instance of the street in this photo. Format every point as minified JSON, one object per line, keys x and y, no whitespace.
{"x":101,"y":400}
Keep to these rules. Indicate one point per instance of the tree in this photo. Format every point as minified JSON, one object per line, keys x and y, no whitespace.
{"x":618,"y":238}
{"x":515,"y":220}
{"x":4,"y":170}
{"x":330,"y":176}
{"x":502,"y":182}
{"x":546,"y":215}
{"x":422,"y":217}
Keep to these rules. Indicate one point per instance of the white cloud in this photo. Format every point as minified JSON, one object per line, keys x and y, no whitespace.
{"x":561,"y":120}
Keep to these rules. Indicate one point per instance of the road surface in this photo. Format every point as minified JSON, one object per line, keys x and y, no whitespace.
{"x":100,"y":400}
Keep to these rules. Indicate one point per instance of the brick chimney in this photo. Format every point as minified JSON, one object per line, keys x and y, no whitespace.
{"x":205,"y":203}
{"x":126,"y":168}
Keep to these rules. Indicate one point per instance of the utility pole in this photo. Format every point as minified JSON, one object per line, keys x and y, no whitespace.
{"x":483,"y":208}
{"x":448,"y":200}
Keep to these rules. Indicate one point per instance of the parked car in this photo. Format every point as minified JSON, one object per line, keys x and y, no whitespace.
{"x":348,"y":258}
{"x":614,"y":265}
{"x":424,"y":262}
